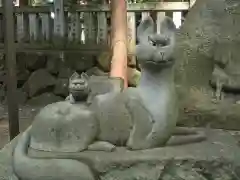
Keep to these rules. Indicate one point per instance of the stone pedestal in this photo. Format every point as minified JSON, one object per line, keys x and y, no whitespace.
{"x":6,"y":172}
{"x":218,"y":157}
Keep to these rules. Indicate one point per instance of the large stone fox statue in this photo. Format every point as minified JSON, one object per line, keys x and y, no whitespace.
{"x":138,"y":118}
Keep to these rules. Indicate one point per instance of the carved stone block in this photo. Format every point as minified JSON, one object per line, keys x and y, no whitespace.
{"x":219,"y":156}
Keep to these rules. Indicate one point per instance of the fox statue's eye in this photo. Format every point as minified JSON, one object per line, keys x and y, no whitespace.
{"x":152,"y":42}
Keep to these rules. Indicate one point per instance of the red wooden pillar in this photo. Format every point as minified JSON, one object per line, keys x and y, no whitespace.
{"x":119,"y":40}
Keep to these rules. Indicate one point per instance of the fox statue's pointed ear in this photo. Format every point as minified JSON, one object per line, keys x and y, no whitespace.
{"x":75,"y":75}
{"x":167,"y":26}
{"x":84,"y":76}
{"x":145,"y":29}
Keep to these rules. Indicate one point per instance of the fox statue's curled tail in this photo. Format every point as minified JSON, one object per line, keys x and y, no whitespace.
{"x":27,"y":168}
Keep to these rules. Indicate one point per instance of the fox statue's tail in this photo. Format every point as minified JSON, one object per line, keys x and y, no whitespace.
{"x":184,"y":135}
{"x":27,"y":168}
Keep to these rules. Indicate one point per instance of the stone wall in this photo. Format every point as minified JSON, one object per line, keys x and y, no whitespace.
{"x":43,"y":79}
{"x":210,"y":33}
{"x":208,"y":24}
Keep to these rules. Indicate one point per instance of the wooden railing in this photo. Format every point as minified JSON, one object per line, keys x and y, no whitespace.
{"x":82,"y":28}
{"x":36,"y":30}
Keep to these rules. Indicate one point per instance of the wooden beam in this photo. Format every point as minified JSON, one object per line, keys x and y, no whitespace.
{"x":82,"y":48}
{"x":10,"y":58}
{"x":29,"y":9}
{"x":136,"y":7}
{"x":160,"y":6}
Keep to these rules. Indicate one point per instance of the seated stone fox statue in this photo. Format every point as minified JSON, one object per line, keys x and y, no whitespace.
{"x":138,"y":118}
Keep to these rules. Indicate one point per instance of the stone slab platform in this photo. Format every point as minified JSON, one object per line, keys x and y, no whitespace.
{"x":217,"y":154}
{"x":5,"y":161}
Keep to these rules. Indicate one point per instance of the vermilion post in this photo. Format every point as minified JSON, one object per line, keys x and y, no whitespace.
{"x":119,"y":40}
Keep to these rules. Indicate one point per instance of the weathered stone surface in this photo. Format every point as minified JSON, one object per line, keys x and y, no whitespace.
{"x":96,"y":72}
{"x":6,"y":172}
{"x":44,"y":99}
{"x":64,"y":71}
{"x":101,"y":146}
{"x":50,"y":132}
{"x":35,"y":61}
{"x":84,"y":64}
{"x":175,"y":170}
{"x":133,"y":76}
{"x":207,"y":22}
{"x":20,"y":60}
{"x":104,"y":61}
{"x":201,"y":42}
{"x":61,"y":87}
{"x":218,"y":157}
{"x":103,"y":84}
{"x":39,"y":82}
{"x":224,"y":115}
{"x":79,"y":62}
{"x":22,"y":77}
{"x":115,"y":121}
{"x":21,"y":97}
{"x":227,"y":65}
{"x":201,"y":111}
{"x":53,"y":63}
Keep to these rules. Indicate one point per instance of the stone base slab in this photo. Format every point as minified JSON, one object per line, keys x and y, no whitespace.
{"x":219,"y":156}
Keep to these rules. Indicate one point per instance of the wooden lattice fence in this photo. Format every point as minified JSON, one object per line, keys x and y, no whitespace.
{"x":55,"y":28}
{"x":83,"y":28}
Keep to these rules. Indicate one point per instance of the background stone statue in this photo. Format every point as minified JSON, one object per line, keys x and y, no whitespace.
{"x":78,"y":88}
{"x":207,"y":51}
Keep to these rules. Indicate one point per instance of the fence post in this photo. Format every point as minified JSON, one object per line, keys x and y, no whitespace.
{"x":160,"y":16}
{"x":10,"y":58}
{"x":59,"y":25}
{"x":34,"y":27}
{"x":21,"y":28}
{"x":22,"y":25}
{"x":74,"y":28}
{"x":45,"y":19}
{"x":131,"y":38}
{"x":89,"y":27}
{"x":102,"y":31}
